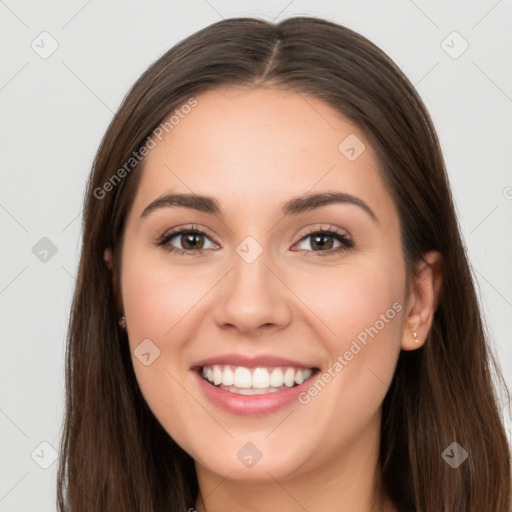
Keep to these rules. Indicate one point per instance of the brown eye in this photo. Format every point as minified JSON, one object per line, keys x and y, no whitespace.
{"x":186,"y":241}
{"x":325,"y":241}
{"x":322,"y":241}
{"x":191,"y":240}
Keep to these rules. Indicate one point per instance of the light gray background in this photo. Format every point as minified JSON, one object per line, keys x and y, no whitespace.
{"x":55,"y":111}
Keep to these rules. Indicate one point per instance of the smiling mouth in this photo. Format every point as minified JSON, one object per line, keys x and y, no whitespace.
{"x":255,"y":381}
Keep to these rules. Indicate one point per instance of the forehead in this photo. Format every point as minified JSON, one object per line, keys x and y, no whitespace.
{"x":260,"y":145}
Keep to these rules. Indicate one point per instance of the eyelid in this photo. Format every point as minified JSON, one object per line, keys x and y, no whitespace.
{"x":187,"y":227}
{"x":326,"y":228}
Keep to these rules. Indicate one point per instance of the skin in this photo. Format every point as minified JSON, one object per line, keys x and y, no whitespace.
{"x":252,"y":150}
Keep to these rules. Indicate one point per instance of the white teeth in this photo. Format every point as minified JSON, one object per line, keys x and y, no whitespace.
{"x":250,"y":381}
{"x":228,"y":377}
{"x":289,"y":377}
{"x":251,"y":391}
{"x":276,"y":378}
{"x":242,"y":378}
{"x":299,"y":377}
{"x":217,"y":375}
{"x":260,"y":378}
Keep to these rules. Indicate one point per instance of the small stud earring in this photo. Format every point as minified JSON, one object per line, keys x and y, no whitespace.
{"x":122,"y":322}
{"x":415,"y":335}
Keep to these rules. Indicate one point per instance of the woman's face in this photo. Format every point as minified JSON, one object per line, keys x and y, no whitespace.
{"x":264,"y":299}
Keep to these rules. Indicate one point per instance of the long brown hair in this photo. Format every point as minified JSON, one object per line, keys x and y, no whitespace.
{"x":115,"y":456}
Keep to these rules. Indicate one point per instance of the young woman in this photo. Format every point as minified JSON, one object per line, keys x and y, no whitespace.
{"x":274,"y":310}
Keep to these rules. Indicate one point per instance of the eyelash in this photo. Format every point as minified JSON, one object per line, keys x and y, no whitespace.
{"x":346,"y":242}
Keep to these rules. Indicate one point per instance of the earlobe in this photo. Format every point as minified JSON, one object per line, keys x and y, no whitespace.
{"x":423,"y":300}
{"x":107,"y":257}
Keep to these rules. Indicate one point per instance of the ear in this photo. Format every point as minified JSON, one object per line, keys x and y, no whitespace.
{"x":108,"y":258}
{"x":423,"y":299}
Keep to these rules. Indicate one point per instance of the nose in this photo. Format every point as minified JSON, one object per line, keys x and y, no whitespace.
{"x":253,"y":298}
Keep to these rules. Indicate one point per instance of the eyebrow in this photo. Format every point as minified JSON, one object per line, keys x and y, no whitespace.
{"x":294,"y":206}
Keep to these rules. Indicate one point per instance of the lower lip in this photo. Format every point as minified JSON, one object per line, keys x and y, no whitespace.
{"x":250,"y":405}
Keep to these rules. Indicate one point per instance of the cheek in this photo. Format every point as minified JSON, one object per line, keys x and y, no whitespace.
{"x":156,"y":297}
{"x":158,"y":302}
{"x":359,"y":313}
{"x":358,"y":310}
{"x":162,"y":303}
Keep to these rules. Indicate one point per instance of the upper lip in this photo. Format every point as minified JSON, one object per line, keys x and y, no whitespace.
{"x":250,"y":362}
